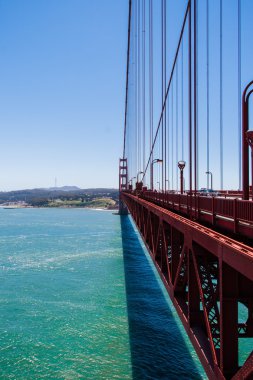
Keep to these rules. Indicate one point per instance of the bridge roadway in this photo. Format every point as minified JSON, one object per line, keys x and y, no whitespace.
{"x":206,"y":274}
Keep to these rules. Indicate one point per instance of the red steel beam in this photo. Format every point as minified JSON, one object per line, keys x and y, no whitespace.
{"x":233,"y":215}
{"x":206,"y":275}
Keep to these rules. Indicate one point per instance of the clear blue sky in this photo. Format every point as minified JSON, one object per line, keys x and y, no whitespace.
{"x":62,"y":88}
{"x":62,"y":92}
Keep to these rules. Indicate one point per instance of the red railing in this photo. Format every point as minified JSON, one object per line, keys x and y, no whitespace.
{"x":233,"y":214}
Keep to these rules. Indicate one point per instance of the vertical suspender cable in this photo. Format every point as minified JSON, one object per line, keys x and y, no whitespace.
{"x":139,"y":89}
{"x":190,"y":102}
{"x":172,"y":135}
{"x":239,"y":95}
{"x":177,"y":122}
{"x":135,"y":84}
{"x":151,"y":75}
{"x":162,"y":87}
{"x":143,"y":80}
{"x":182,"y":99}
{"x":169,"y":83}
{"x":168,"y":137}
{"x":127,"y":75}
{"x":165,"y":113}
{"x":195,"y":99}
{"x":131,"y":122}
{"x":128,"y":152}
{"x":221,"y":100}
{"x":207,"y":91}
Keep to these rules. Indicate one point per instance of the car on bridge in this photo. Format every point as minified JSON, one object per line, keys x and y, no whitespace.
{"x":208,"y":192}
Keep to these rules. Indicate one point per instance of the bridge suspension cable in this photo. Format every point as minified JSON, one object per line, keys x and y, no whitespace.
{"x":207,"y":95}
{"x":221,"y":100}
{"x":143,"y":81}
{"x":185,"y":123}
{"x":239,"y":96}
{"x":127,"y":76}
{"x":151,"y":73}
{"x":168,"y":88}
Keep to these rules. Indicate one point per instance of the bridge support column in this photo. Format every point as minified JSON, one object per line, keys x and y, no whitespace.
{"x":122,"y":184}
{"x":228,"y":320}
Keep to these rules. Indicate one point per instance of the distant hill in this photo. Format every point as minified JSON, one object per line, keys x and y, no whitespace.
{"x":64,"y":188}
{"x":43,"y":197}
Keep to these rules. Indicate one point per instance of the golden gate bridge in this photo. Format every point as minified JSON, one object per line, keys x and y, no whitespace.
{"x":187,"y":124}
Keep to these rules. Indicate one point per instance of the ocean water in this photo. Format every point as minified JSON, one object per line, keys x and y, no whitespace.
{"x":80,"y":300}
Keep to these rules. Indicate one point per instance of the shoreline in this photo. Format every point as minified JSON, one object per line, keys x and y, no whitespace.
{"x":55,"y":207}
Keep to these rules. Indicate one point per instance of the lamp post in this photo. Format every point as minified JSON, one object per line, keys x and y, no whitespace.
{"x":155,"y":161}
{"x":140,"y":172}
{"x":158,"y":185}
{"x":131,"y":180}
{"x":249,"y":137}
{"x":167,"y":180}
{"x":181,"y":166}
{"x":211,"y":174}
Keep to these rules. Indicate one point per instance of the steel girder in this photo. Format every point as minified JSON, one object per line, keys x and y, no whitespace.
{"x":206,"y":275}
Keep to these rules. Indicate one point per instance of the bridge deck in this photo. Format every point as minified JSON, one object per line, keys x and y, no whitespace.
{"x":206,"y":275}
{"x":232,"y":214}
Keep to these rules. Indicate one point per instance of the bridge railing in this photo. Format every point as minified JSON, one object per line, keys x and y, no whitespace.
{"x":245,"y":210}
{"x":233,"y":214}
{"x":225,"y":207}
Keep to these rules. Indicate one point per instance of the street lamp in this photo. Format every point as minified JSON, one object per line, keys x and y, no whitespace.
{"x":158,"y":185}
{"x":181,"y":166}
{"x":155,"y":161}
{"x":140,"y":172}
{"x":249,"y":137}
{"x":167,"y":180}
{"x":211,"y":174}
{"x":131,"y":180}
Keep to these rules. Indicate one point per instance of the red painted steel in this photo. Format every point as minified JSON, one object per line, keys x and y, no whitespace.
{"x":123,"y":182}
{"x":249,"y":136}
{"x":245,"y":147}
{"x":206,"y":275}
{"x":234,"y":215}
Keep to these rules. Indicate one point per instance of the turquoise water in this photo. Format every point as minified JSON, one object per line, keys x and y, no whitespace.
{"x":79,"y":299}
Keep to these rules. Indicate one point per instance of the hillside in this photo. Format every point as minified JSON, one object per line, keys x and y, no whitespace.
{"x":67,"y":196}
